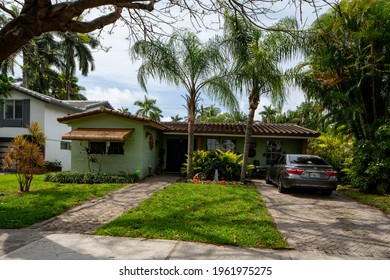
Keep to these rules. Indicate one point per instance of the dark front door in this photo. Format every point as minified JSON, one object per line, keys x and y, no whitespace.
{"x":176,"y":154}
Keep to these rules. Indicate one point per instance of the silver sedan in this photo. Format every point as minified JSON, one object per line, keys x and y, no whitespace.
{"x":304,"y":172}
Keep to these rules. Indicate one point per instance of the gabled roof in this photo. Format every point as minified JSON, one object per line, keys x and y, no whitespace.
{"x":106,"y":111}
{"x":259,"y":129}
{"x":74,"y":105}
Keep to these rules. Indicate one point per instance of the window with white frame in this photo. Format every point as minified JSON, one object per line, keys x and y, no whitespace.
{"x":221,"y":144}
{"x":274,"y":150}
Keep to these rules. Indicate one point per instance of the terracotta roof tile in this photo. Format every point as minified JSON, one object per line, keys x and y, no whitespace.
{"x":259,"y":129}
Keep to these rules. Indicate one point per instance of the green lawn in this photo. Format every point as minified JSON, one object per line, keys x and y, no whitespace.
{"x":218,"y":214}
{"x":381,"y":202}
{"x":45,"y":200}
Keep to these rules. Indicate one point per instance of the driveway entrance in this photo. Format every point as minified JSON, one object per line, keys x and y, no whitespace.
{"x":334,"y":225}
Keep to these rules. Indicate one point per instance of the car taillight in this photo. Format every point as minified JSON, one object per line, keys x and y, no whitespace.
{"x":331,"y":173}
{"x":295,"y":171}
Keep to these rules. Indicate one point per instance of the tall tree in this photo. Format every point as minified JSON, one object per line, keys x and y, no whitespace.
{"x":183,"y":60}
{"x":76,"y":46}
{"x":268,"y":115}
{"x":256,"y":57}
{"x":348,"y":64}
{"x":148,"y":109}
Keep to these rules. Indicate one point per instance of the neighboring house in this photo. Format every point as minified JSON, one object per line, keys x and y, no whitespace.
{"x":23,"y":106}
{"x":110,"y":141}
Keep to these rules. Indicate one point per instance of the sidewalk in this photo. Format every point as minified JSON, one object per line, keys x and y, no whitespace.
{"x":87,"y":247}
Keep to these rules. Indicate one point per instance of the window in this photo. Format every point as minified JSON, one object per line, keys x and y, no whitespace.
{"x":115,"y":148}
{"x":97,"y":147}
{"x":221,"y":144}
{"x":64,"y":145}
{"x":14,"y":113}
{"x":110,"y":148}
{"x":13,"y":109}
{"x":274,"y":150}
{"x":298,"y":159}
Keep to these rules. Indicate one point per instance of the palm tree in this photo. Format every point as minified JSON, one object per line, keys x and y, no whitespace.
{"x":268,"y":114}
{"x":76,"y":46}
{"x":184,"y":61}
{"x":207,"y":113}
{"x":148,"y":109}
{"x":123,"y":109}
{"x":256,"y":67}
{"x":176,"y":118}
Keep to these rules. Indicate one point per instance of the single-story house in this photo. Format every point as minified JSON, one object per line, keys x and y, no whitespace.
{"x":110,"y":141}
{"x":20,"y":107}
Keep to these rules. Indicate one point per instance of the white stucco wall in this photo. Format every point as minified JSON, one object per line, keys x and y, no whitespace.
{"x":46,"y":114}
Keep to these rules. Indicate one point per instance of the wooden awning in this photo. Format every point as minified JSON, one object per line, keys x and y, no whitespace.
{"x":98,"y":134}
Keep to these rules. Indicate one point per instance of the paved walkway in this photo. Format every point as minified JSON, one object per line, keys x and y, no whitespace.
{"x":333,"y":225}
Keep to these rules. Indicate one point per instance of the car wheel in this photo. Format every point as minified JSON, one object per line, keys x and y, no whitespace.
{"x":281,"y":188}
{"x":326,"y":192}
{"x":267,"y":179}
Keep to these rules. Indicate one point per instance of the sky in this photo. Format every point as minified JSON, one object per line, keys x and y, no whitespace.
{"x":115,"y":78}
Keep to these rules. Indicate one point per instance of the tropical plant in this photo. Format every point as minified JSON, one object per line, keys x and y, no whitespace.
{"x":370,"y":167}
{"x":348,"y":64}
{"x":25,"y":155}
{"x":76,"y":46}
{"x":148,"y":109}
{"x":176,"y":118}
{"x":228,"y":164}
{"x":256,"y":69}
{"x":335,"y":146}
{"x":183,"y":60}
{"x":268,"y":115}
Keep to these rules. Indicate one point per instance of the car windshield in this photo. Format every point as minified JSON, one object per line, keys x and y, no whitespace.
{"x":302,"y":159}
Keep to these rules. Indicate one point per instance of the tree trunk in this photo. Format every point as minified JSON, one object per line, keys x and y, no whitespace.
{"x":191,"y":128}
{"x":254,"y":100}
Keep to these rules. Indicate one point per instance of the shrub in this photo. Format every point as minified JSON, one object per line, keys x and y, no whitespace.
{"x":25,"y":155}
{"x":370,"y":166}
{"x":89,"y":178}
{"x":229,"y":164}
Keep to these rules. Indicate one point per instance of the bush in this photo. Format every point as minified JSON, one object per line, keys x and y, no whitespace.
{"x":89,"y":178}
{"x":229,"y":164}
{"x":370,"y":167}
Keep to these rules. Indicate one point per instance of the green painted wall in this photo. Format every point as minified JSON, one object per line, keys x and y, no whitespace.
{"x":137,"y":155}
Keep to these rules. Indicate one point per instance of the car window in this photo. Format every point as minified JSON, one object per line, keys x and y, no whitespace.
{"x":282,"y":160}
{"x":302,"y":159}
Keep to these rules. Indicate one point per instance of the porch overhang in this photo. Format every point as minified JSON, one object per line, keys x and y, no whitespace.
{"x":98,"y":134}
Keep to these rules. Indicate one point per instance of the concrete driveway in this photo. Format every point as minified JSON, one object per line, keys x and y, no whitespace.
{"x":333,"y":225}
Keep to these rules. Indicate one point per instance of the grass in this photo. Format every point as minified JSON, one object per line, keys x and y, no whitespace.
{"x":217,"y":214}
{"x":45,"y":199}
{"x":381,"y":202}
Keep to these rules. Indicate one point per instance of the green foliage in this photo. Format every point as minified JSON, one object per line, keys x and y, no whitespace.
{"x":370,"y":167}
{"x":25,"y":155}
{"x":5,"y":85}
{"x":335,"y":147}
{"x":348,"y":62}
{"x":89,"y":178}
{"x":229,"y":164}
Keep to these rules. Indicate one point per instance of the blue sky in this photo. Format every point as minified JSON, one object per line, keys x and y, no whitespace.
{"x":115,"y":79}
